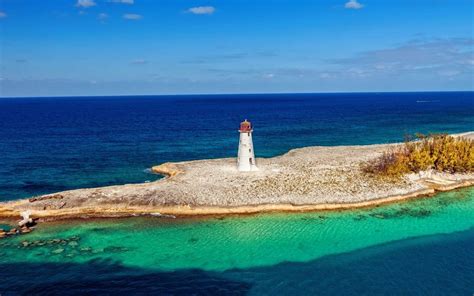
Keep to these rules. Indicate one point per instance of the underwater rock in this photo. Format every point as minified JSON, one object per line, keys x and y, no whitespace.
{"x":115,"y":249}
{"x":57,"y":251}
{"x":38,"y":243}
{"x":421,"y":213}
{"x":359,"y":217}
{"x":193,"y":240}
{"x":25,"y":230}
{"x":13,"y":231}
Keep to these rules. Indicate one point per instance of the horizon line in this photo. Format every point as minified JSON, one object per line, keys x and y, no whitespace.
{"x":234,"y":94}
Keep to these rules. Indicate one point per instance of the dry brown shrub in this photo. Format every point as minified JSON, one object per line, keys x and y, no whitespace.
{"x":442,"y":152}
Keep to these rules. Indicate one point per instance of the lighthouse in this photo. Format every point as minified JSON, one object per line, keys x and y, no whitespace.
{"x":246,"y":157}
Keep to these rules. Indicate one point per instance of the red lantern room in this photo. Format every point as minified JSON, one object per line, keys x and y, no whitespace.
{"x":245,"y":126}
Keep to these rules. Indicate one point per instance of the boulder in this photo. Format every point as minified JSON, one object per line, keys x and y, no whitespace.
{"x":25,"y":230}
{"x":46,"y":197}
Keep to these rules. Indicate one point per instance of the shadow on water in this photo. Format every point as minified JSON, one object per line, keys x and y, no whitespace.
{"x":431,"y":265}
{"x":106,"y":277}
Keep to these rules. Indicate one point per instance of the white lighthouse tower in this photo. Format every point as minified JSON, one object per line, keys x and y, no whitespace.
{"x":246,"y":157}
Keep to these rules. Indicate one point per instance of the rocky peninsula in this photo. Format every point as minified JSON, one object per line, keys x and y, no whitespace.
{"x":304,"y":179}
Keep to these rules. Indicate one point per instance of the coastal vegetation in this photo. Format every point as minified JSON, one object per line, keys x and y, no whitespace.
{"x":439,"y":152}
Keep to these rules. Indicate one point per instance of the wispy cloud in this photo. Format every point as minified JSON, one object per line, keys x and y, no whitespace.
{"x":85,"y":3}
{"x":139,"y":62}
{"x":102,"y":16}
{"x":231,"y":56}
{"x":438,"y":60}
{"x":2,"y":15}
{"x":122,"y":1}
{"x":132,"y":16}
{"x":452,"y":55}
{"x":268,"y":76}
{"x":419,"y":52}
{"x":202,"y":10}
{"x":266,"y":73}
{"x":245,"y":72}
{"x":216,"y":58}
{"x":353,"y":4}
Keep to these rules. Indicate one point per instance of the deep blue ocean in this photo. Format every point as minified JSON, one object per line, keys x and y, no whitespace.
{"x":421,"y":247}
{"x":55,"y":144}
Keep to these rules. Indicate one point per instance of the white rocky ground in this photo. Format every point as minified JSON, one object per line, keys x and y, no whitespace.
{"x":306,"y":176}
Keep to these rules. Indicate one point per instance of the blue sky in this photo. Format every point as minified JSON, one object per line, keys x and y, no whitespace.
{"x":108,"y":47}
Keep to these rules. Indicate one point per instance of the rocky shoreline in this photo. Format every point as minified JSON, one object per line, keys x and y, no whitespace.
{"x":305,"y":179}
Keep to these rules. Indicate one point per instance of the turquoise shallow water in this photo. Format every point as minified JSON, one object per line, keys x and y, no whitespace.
{"x":404,"y":246}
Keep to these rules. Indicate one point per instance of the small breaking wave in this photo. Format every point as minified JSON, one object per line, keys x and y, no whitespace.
{"x":149,"y":171}
{"x":162,"y":215}
{"x":427,"y":101}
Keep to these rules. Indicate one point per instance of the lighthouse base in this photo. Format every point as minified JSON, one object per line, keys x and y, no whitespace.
{"x":247,"y":168}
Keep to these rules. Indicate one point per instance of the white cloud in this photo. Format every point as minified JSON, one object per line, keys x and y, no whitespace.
{"x":103,"y":16}
{"x":3,"y":14}
{"x":353,"y":4}
{"x":122,"y":1}
{"x":132,"y":16}
{"x":202,"y":10}
{"x":85,"y":3}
